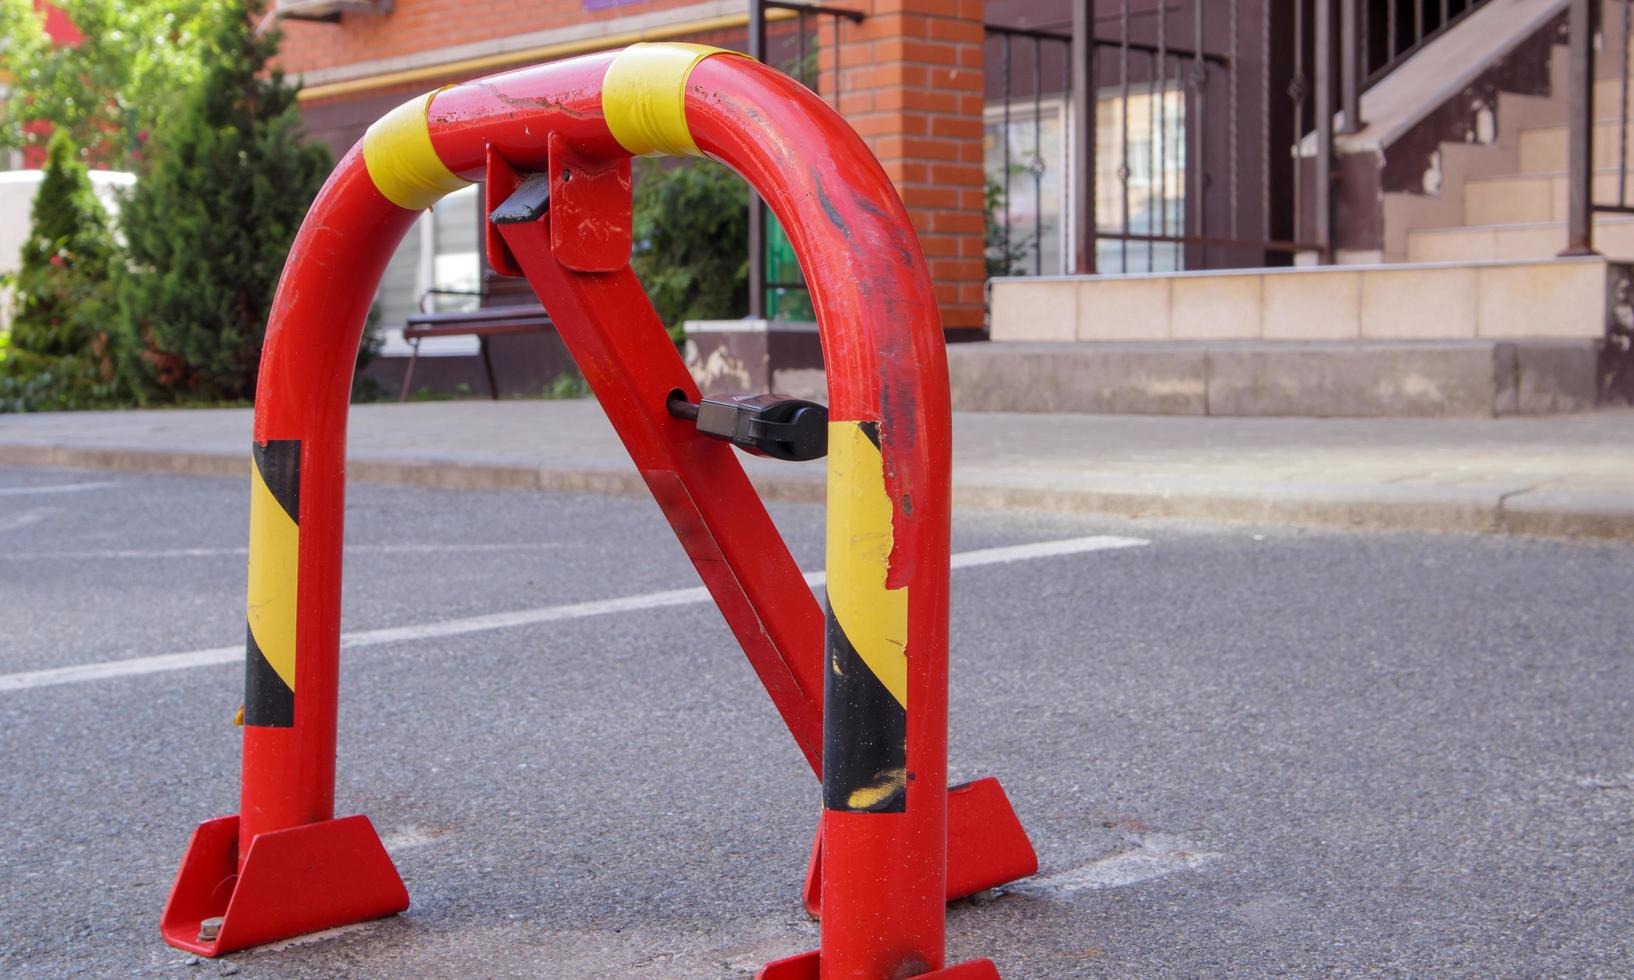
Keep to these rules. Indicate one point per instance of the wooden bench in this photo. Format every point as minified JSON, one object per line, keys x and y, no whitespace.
{"x":494,"y":321}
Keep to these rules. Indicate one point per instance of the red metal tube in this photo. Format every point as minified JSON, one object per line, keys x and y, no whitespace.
{"x":884,"y":874}
{"x":305,"y":385}
{"x":313,"y":333}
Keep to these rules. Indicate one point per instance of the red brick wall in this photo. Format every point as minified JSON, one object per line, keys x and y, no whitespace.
{"x":911,"y":82}
{"x":421,"y":25}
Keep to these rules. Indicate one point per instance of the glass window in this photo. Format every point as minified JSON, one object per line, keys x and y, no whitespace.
{"x":1025,"y":236}
{"x":400,"y":290}
{"x":456,"y":272}
{"x":1031,"y":234}
{"x":1155,"y":167}
{"x":437,"y":268}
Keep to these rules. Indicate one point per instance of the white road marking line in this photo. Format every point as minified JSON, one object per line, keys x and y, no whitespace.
{"x":55,"y":488}
{"x":351,"y":549}
{"x":1154,"y":856}
{"x":1043,"y":549}
{"x":27,"y":518}
{"x":82,"y":673}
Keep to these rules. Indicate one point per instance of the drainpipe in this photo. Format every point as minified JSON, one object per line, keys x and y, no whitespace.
{"x":1350,"y":68}
{"x":757,"y":207}
{"x":1323,"y":202}
{"x":1083,"y":142}
{"x":1580,"y":132}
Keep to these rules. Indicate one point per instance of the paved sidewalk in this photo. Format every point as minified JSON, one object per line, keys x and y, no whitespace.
{"x":1563,"y":476}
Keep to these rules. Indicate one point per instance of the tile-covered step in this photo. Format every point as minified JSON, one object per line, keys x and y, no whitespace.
{"x":1557,"y":298}
{"x":1539,"y":240}
{"x":1544,"y":149}
{"x":1524,"y":198}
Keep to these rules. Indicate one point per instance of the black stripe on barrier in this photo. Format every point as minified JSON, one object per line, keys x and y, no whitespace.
{"x":865,"y":734}
{"x":268,"y":701}
{"x":279,"y":463}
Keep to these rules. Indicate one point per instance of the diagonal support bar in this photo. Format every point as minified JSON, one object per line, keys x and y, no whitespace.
{"x":629,"y":361}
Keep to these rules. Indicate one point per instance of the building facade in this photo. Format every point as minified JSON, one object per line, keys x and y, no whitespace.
{"x":1035,"y":141}
{"x":908,"y":74}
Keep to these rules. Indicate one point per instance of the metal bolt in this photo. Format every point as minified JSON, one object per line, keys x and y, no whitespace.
{"x":209,"y":929}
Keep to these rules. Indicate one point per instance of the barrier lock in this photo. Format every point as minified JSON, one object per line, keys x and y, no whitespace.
{"x":766,"y":425}
{"x":859,"y":678}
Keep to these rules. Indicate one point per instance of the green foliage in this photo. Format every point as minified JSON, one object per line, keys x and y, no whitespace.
{"x":425,"y":394}
{"x":120,"y":82}
{"x":568,"y":384}
{"x":60,"y":349}
{"x":692,"y":241}
{"x":208,"y":226}
{"x":1006,"y":255}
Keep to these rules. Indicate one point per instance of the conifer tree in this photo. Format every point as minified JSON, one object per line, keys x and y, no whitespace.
{"x":208,"y":226}
{"x":59,"y":352}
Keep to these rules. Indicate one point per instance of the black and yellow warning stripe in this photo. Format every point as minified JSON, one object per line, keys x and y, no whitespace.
{"x":270,"y":607}
{"x":865,"y":690}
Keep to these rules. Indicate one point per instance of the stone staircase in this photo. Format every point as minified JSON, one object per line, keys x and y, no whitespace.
{"x":1509,"y":199}
{"x":1463,"y":308}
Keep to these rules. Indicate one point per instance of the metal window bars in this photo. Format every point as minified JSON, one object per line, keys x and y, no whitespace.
{"x":1156,"y":75}
{"x":1588,"y":21}
{"x":808,"y":21}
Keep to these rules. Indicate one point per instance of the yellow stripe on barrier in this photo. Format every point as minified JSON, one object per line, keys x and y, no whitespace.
{"x":874,"y":618}
{"x":402,"y":162}
{"x":643,"y":97}
{"x":274,"y":552}
{"x":890,"y":783}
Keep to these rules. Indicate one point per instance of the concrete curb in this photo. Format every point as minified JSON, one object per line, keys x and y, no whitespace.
{"x":1592,"y":518}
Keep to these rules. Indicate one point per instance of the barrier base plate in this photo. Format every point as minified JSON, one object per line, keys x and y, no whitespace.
{"x":808,"y":966}
{"x":986,"y":845}
{"x":295,"y":881}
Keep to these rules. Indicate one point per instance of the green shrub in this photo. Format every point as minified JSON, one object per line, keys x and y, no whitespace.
{"x":692,"y":241}
{"x":60,"y":351}
{"x":208,"y":226}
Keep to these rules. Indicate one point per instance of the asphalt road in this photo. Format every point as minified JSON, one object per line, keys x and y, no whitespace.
{"x":1239,"y":751}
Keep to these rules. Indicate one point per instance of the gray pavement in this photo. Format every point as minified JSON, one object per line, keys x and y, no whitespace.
{"x":1240,"y":750}
{"x":1568,"y":476}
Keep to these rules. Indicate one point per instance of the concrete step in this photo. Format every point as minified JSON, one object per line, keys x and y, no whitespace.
{"x":1530,"y":198}
{"x":1558,"y":298}
{"x":1322,"y":379}
{"x":1544,"y":149}
{"x":1523,"y":241}
{"x":1607,"y":91}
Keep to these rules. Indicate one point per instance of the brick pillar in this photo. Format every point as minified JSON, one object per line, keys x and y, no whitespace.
{"x":911,"y":83}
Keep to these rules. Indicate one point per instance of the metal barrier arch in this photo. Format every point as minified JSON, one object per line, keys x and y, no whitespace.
{"x":868,"y":705}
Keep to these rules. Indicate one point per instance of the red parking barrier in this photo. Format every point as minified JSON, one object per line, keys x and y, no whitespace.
{"x":862,"y":687}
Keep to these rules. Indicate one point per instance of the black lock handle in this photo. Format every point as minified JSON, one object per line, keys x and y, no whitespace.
{"x":766,"y":425}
